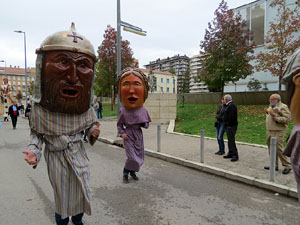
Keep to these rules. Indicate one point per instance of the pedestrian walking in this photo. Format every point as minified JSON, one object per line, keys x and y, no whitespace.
{"x":99,"y":113}
{"x":230,"y":119}
{"x":61,"y":110}
{"x":220,"y":128}
{"x":13,"y":112}
{"x":277,"y":119}
{"x":133,"y":91}
{"x":291,"y":77}
{"x":28,"y":109}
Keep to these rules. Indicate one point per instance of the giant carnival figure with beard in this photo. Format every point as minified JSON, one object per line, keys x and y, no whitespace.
{"x":61,"y":110}
{"x":291,"y":78}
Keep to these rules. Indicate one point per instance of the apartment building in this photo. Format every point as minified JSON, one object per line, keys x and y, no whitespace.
{"x":180,"y":64}
{"x":16,"y":78}
{"x":196,"y":87}
{"x":161,"y":82}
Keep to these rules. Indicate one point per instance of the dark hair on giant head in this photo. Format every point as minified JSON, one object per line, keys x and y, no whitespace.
{"x":136,"y":72}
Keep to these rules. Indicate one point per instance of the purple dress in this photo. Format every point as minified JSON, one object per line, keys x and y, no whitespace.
{"x":130,"y":123}
{"x":293,"y":150}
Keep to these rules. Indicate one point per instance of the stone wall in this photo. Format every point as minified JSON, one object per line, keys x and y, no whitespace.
{"x":161,"y":107}
{"x":240,"y":98}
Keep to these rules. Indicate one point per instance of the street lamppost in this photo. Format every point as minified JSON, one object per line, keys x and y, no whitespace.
{"x":127,"y":27}
{"x":4,"y":66}
{"x":19,"y":31}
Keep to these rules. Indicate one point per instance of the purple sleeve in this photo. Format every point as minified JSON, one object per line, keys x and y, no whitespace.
{"x":120,"y":124}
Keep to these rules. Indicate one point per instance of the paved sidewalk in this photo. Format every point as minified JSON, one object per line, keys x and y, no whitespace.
{"x":185,"y":150}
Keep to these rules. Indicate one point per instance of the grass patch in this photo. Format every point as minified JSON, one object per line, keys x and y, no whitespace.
{"x":106,"y":109}
{"x":252,"y":121}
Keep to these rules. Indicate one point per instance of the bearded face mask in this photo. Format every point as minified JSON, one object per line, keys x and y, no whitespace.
{"x":66,"y":82}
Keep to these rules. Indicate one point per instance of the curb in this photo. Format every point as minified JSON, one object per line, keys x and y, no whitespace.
{"x":264,"y":184}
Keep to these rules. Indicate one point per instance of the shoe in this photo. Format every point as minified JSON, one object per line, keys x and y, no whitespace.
{"x":134,"y":176}
{"x":219,"y":153}
{"x":267,"y":168}
{"x":85,"y":140}
{"x":125,"y":179}
{"x":286,"y":171}
{"x":72,"y":223}
{"x":227,"y":156}
{"x":234,"y":159}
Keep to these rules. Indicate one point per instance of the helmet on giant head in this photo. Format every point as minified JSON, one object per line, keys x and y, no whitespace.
{"x":68,"y":43}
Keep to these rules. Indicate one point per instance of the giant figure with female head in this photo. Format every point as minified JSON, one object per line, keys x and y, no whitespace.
{"x":133,"y":92}
{"x":291,"y":78}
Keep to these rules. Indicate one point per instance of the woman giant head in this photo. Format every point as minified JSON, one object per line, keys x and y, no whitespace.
{"x":132,"y":88}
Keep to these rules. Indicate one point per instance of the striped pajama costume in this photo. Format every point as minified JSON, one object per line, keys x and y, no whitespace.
{"x":65,"y":156}
{"x":68,"y":170}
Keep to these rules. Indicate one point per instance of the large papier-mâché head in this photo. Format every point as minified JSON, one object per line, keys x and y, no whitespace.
{"x":65,"y":73}
{"x":132,"y":88}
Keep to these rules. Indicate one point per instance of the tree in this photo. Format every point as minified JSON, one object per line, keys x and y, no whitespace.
{"x":19,"y":96}
{"x":254,"y":85}
{"x":107,"y":68}
{"x":102,"y":80}
{"x":280,"y":41}
{"x":172,"y":70}
{"x":186,"y":81}
{"x":31,"y":88}
{"x":152,"y":80}
{"x":227,"y":44}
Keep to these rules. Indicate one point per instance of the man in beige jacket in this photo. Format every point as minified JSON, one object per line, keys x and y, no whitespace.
{"x":277,"y":119}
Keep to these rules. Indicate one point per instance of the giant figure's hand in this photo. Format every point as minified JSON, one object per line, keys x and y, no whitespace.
{"x":94,"y":134}
{"x":124,"y":136}
{"x":30,"y":157}
{"x":96,"y":131}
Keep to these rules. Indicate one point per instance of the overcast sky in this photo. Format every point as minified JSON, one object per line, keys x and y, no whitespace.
{"x":173,"y":26}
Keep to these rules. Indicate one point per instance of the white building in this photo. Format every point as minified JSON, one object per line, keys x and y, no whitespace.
{"x":258,"y":15}
{"x":161,"y":82}
{"x":179,"y":63}
{"x":196,"y":87}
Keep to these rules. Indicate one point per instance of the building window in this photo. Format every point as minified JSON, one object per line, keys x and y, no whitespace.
{"x":173,"y":81}
{"x":14,"y":82}
{"x":173,"y":90}
{"x":255,"y":19}
{"x":14,"y":77}
{"x":19,"y":83}
{"x":161,"y":80}
{"x":19,"y":78}
{"x":168,"y":81}
{"x":23,"y":78}
{"x":162,"y":89}
{"x":23,"y":83}
{"x":168,"y":90}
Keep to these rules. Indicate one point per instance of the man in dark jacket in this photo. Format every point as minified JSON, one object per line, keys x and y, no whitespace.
{"x":231,"y":124}
{"x":13,"y":112}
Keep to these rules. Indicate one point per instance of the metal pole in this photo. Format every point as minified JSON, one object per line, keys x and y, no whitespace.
{"x":26,"y":88}
{"x":202,"y":133}
{"x":158,"y":137}
{"x":119,"y":63}
{"x":272,"y":158}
